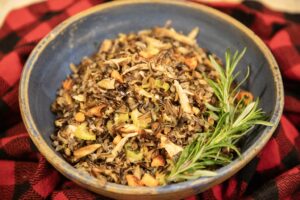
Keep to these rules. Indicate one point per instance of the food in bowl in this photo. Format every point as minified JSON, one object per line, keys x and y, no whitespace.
{"x":152,"y":108}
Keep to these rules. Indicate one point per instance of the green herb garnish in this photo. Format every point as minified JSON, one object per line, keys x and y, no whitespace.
{"x":235,"y":119}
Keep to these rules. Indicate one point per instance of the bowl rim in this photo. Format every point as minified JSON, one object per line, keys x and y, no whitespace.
{"x":90,"y":182}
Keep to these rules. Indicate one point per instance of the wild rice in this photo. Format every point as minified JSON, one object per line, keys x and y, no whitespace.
{"x":125,"y":113}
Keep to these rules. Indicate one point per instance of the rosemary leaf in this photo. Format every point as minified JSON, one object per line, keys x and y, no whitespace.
{"x":234,"y":119}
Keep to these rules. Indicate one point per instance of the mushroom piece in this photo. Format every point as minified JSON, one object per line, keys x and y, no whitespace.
{"x":170,"y":147}
{"x":183,"y":99}
{"x":164,"y":32}
{"x":119,"y":146}
{"x":117,"y":61}
{"x":107,"y":83}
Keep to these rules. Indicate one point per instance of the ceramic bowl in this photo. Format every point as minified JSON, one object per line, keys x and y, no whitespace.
{"x":80,"y":36}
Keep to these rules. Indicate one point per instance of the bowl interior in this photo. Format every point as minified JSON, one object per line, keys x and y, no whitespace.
{"x":82,"y":38}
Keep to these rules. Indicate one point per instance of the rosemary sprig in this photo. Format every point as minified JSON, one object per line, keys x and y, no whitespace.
{"x":218,"y":147}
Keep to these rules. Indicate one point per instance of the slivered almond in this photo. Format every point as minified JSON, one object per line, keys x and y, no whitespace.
{"x":156,"y":43}
{"x":117,"y":61}
{"x":84,"y":151}
{"x":73,"y":68}
{"x":149,"y":52}
{"x":79,"y":97}
{"x":117,"y":139}
{"x":164,"y":32}
{"x":116,"y":75}
{"x":96,"y":111}
{"x":105,"y":46}
{"x":96,"y":171}
{"x":193,"y":34}
{"x":128,"y":128}
{"x":68,"y":99}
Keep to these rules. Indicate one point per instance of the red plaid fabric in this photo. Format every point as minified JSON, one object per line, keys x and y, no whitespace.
{"x":25,"y":174}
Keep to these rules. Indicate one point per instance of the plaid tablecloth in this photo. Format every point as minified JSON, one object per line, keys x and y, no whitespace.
{"x":24,"y":172}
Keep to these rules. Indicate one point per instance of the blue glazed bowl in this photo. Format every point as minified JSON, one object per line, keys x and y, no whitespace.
{"x":80,"y":36}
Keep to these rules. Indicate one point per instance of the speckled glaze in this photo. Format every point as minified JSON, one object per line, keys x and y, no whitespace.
{"x":80,"y":35}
